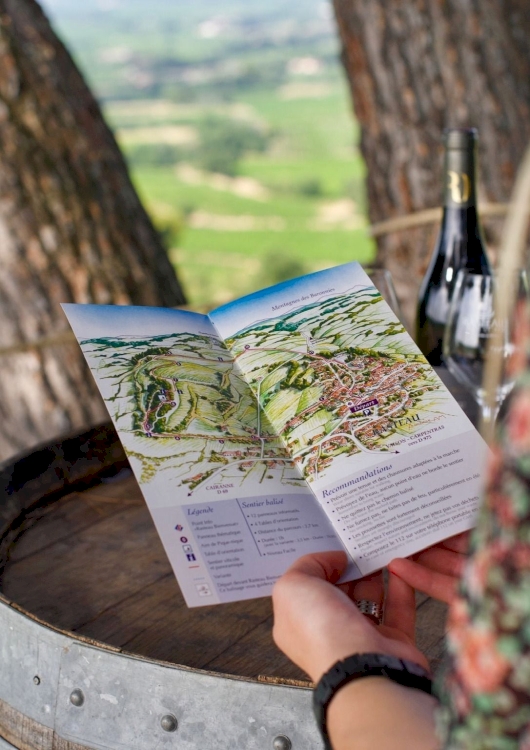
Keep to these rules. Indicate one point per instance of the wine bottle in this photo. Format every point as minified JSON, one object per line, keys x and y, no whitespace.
{"x":459,"y":244}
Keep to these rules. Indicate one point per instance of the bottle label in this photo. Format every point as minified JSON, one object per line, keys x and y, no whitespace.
{"x":459,"y":179}
{"x":459,"y":185}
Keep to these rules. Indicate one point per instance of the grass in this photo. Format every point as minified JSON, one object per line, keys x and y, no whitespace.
{"x":313,"y":142}
{"x":223,"y":244}
{"x":215,"y":266}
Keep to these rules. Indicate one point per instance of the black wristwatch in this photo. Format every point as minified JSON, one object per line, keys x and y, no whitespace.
{"x":404,"y":672}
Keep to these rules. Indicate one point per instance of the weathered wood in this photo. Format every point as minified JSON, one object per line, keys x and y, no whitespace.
{"x":72,"y":229}
{"x":415,"y":67}
{"x":169,"y":631}
{"x":247,"y":655}
{"x":49,"y":472}
{"x":93,"y":564}
{"x":22,"y":732}
{"x":72,"y":514}
{"x":76,"y":578}
{"x":89,"y":562}
{"x":26,"y":734}
{"x":73,"y":569}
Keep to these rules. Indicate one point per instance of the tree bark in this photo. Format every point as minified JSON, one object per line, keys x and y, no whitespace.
{"x":418,"y":66}
{"x":71,"y":229}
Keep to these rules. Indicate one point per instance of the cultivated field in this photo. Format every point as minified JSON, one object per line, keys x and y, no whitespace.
{"x":237,"y":126}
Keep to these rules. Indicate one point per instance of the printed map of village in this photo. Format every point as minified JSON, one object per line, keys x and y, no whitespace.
{"x":340,"y":378}
{"x":335,"y":379}
{"x":182,"y":408}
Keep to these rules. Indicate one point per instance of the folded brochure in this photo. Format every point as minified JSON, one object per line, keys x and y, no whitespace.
{"x":297,"y":419}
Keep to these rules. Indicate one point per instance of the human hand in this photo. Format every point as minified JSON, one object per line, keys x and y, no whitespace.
{"x":436,"y":571}
{"x":316,"y":623}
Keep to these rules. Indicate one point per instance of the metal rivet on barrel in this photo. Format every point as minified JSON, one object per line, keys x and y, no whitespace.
{"x":168,"y":723}
{"x":36,"y":680}
{"x":281,"y":742}
{"x":77,"y":697}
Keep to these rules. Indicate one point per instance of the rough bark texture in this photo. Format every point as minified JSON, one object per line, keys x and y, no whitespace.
{"x":415,"y":67}
{"x":71,"y":229}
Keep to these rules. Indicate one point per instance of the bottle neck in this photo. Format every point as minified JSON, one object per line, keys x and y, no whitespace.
{"x":459,"y":179}
{"x":460,"y":220}
{"x":460,"y":242}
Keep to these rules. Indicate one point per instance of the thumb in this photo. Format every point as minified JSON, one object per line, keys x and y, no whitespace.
{"x":328,"y":566}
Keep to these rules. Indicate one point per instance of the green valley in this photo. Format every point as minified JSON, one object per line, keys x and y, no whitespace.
{"x":237,"y":127}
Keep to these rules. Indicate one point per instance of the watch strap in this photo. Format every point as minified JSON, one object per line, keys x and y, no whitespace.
{"x":355,"y":667}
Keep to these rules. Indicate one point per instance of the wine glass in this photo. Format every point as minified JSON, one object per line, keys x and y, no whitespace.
{"x":471,"y":323}
{"x":381,"y":278}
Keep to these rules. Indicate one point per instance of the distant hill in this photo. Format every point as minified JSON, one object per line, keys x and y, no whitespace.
{"x":237,"y":127}
{"x":179,"y":8}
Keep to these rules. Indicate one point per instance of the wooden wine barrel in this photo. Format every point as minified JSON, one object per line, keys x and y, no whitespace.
{"x":98,"y":649}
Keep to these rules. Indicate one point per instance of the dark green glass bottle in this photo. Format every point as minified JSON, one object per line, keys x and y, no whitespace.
{"x":459,"y":244}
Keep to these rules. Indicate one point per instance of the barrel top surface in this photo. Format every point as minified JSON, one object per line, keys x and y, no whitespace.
{"x":91,"y":562}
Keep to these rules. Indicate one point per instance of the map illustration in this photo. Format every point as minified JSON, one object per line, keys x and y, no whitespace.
{"x":181,"y":407}
{"x":297,"y":419}
{"x":322,"y":374}
{"x":339,"y":378}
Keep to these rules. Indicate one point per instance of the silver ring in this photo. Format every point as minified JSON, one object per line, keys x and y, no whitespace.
{"x":373,"y":610}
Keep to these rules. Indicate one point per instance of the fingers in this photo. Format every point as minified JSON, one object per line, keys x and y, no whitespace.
{"x":370,"y":587}
{"x":400,"y":618}
{"x":432,"y":583}
{"x":400,"y":606}
{"x":441,"y":561}
{"x":315,"y":623}
{"x":437,"y":570}
{"x":328,"y":566}
{"x":458,"y":543}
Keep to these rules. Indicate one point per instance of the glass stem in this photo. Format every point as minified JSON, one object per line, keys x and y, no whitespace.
{"x":488,"y":415}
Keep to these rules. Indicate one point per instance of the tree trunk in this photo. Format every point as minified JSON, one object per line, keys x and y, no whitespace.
{"x":71,"y":229}
{"x":418,"y":66}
